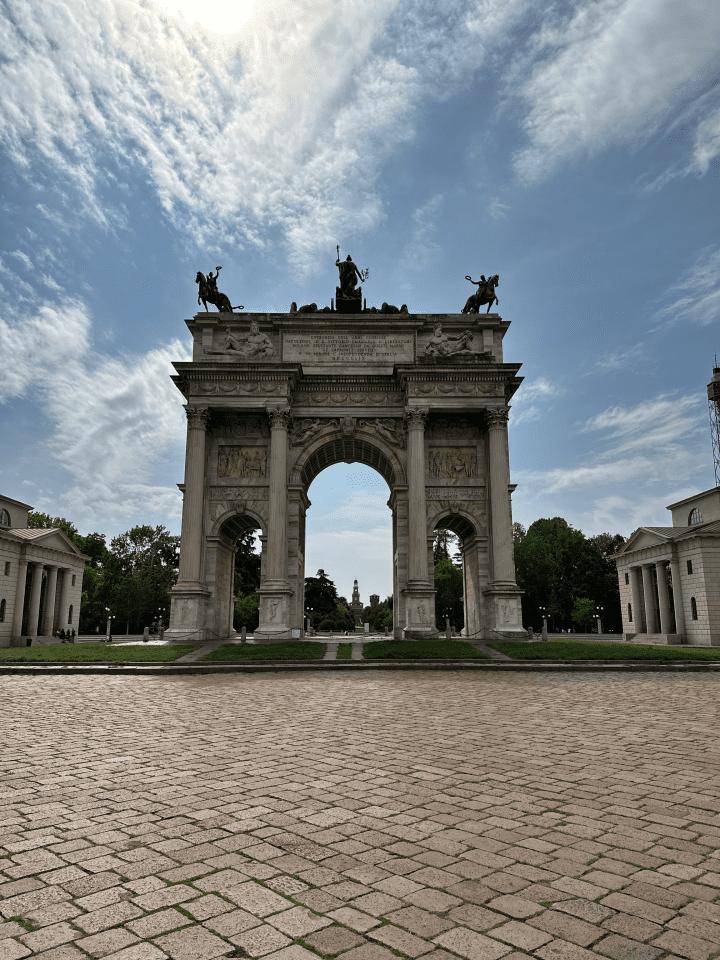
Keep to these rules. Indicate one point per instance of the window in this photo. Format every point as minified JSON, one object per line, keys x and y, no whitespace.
{"x":627,"y":578}
{"x":4,"y":518}
{"x":629,"y":612}
{"x":70,"y":614}
{"x":689,"y":566}
{"x":693,"y":608}
{"x":7,"y":568}
{"x":695,"y":516}
{"x":2,"y":611}
{"x":73,"y":580}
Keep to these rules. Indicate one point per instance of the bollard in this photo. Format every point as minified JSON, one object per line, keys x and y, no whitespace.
{"x":448,"y":629}
{"x":146,"y":634}
{"x":243,"y":634}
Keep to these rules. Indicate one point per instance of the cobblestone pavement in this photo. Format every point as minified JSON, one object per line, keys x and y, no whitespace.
{"x":446,"y":816}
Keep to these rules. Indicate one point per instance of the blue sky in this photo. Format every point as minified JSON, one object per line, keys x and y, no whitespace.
{"x":572,"y":148}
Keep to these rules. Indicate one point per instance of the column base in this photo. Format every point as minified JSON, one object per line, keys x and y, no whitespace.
{"x":503,"y":612}
{"x":275,"y":611}
{"x":662,"y":639}
{"x":188,"y":615}
{"x":419,"y":595}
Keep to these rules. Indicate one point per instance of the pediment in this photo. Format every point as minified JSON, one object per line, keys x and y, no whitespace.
{"x":641,"y":540}
{"x":57,"y":540}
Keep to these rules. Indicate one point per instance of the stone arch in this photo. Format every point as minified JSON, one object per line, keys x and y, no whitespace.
{"x":362,"y":447}
{"x":457,"y":521}
{"x":232,"y":524}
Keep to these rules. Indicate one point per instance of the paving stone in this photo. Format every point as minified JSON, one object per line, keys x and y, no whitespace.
{"x":228,"y":924}
{"x":368,"y":951}
{"x":355,"y":919}
{"x":434,"y":900}
{"x":12,"y":950}
{"x":419,"y":922}
{"x":632,"y":927}
{"x":193,"y":943}
{"x":66,"y":952}
{"x":334,"y":940}
{"x":475,"y":917}
{"x":140,"y":951}
{"x":52,"y":936}
{"x":471,"y":945}
{"x":695,"y":948}
{"x":519,"y":934}
{"x":621,"y":948}
{"x":110,"y":941}
{"x":402,"y":940}
{"x":376,"y":904}
{"x":516,"y":907}
{"x":156,"y":923}
{"x":564,"y":927}
{"x":298,"y":921}
{"x":261,"y":940}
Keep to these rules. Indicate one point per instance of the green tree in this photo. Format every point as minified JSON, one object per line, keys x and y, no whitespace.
{"x":583,"y":613}
{"x":247,"y":612}
{"x":449,"y":594}
{"x":247,"y":581}
{"x":321,"y":597}
{"x":38,"y":520}
{"x":141,"y":568}
{"x":555,"y":565}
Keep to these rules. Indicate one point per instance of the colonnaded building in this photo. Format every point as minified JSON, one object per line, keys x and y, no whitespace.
{"x":41,"y":574}
{"x":670,"y":576}
{"x":272,"y":399}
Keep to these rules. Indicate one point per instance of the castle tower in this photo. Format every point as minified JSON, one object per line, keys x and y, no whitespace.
{"x":356,"y":607}
{"x":713,"y":391}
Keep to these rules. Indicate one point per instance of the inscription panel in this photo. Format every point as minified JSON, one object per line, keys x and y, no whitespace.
{"x":349,"y":348}
{"x":455,"y":493}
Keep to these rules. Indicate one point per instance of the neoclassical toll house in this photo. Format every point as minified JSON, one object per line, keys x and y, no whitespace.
{"x":670,"y":576}
{"x":273,"y":399}
{"x":41,"y":573}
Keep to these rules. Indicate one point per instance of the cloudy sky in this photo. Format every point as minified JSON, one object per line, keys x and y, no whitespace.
{"x":571,"y":147}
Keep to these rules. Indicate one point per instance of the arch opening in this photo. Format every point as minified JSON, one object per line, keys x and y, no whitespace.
{"x":237,"y":559}
{"x":356,"y":449}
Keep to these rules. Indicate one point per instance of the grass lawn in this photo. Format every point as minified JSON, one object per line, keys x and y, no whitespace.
{"x":587,"y":650}
{"x":292,"y":650}
{"x":344,"y":651}
{"x":94,"y":652}
{"x":421,"y":650}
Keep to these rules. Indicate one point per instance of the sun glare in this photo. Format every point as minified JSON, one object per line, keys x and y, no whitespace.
{"x":220,"y":16}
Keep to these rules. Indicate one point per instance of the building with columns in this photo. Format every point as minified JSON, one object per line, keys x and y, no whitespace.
{"x":670,"y":576}
{"x":41,"y":573}
{"x":274,"y":399}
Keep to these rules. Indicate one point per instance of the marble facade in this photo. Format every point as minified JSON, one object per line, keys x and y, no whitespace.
{"x":346,"y":388}
{"x":41,"y":574}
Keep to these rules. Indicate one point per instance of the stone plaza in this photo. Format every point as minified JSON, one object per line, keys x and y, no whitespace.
{"x":441,"y":816}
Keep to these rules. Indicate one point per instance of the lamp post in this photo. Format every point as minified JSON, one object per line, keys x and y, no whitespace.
{"x":598,"y":617}
{"x":161,"y":622}
{"x":108,"y":629}
{"x":544,"y":615}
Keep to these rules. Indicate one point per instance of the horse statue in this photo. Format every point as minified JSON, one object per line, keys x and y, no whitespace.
{"x":208,"y":292}
{"x":485,"y":294}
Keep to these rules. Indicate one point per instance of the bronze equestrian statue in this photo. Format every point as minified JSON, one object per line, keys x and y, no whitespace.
{"x":485,"y":294}
{"x":209,"y":293}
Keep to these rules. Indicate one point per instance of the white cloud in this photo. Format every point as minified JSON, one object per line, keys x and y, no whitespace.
{"x":423,"y":244}
{"x":613,"y":72}
{"x":707,"y":143}
{"x":616,"y":361}
{"x":497,"y":209}
{"x":695,"y":297}
{"x":23,"y":258}
{"x":284,"y":123}
{"x":112,"y":418}
{"x":525,"y":402}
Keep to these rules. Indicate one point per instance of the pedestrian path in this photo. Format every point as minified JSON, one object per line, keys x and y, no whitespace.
{"x":200,"y":652}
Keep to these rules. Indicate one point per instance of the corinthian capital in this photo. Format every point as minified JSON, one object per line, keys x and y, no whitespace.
{"x":497,"y":416}
{"x":415,"y":417}
{"x":279,"y":417}
{"x":197,"y":417}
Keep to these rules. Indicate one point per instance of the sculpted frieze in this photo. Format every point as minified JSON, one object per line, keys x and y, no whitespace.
{"x":390,"y":429}
{"x":231,"y":424}
{"x":226,"y":388}
{"x":454,"y":389}
{"x":453,"y":463}
{"x":242,"y":462}
{"x":336,"y":398}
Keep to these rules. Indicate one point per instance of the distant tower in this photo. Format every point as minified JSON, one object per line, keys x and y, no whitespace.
{"x":374,"y":599}
{"x":356,"y":608}
{"x":713,"y":390}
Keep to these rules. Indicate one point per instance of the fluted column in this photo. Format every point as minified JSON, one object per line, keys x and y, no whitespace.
{"x":664,"y":597}
{"x":49,"y":617}
{"x":64,"y":597}
{"x":191,"y":534}
{"x":276,"y":568}
{"x":677,"y":597}
{"x":637,"y":626}
{"x":417,"y":510}
{"x":649,"y":592}
{"x":35,"y":591}
{"x":501,"y":523}
{"x":19,"y":598}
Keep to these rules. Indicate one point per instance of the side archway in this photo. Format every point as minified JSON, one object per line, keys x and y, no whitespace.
{"x":471,"y":532}
{"x":220,"y":563}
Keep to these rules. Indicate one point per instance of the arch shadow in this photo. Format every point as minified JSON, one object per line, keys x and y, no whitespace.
{"x":457,"y":521}
{"x":231,"y":524}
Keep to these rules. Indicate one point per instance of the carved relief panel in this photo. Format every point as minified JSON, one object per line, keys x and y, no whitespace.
{"x":242,"y":462}
{"x":453,"y":463}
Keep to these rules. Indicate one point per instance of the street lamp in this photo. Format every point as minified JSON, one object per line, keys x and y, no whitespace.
{"x":544,"y":615}
{"x":598,"y":617}
{"x":108,"y":629}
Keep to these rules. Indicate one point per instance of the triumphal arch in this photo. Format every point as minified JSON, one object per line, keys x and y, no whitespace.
{"x":274,"y":398}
